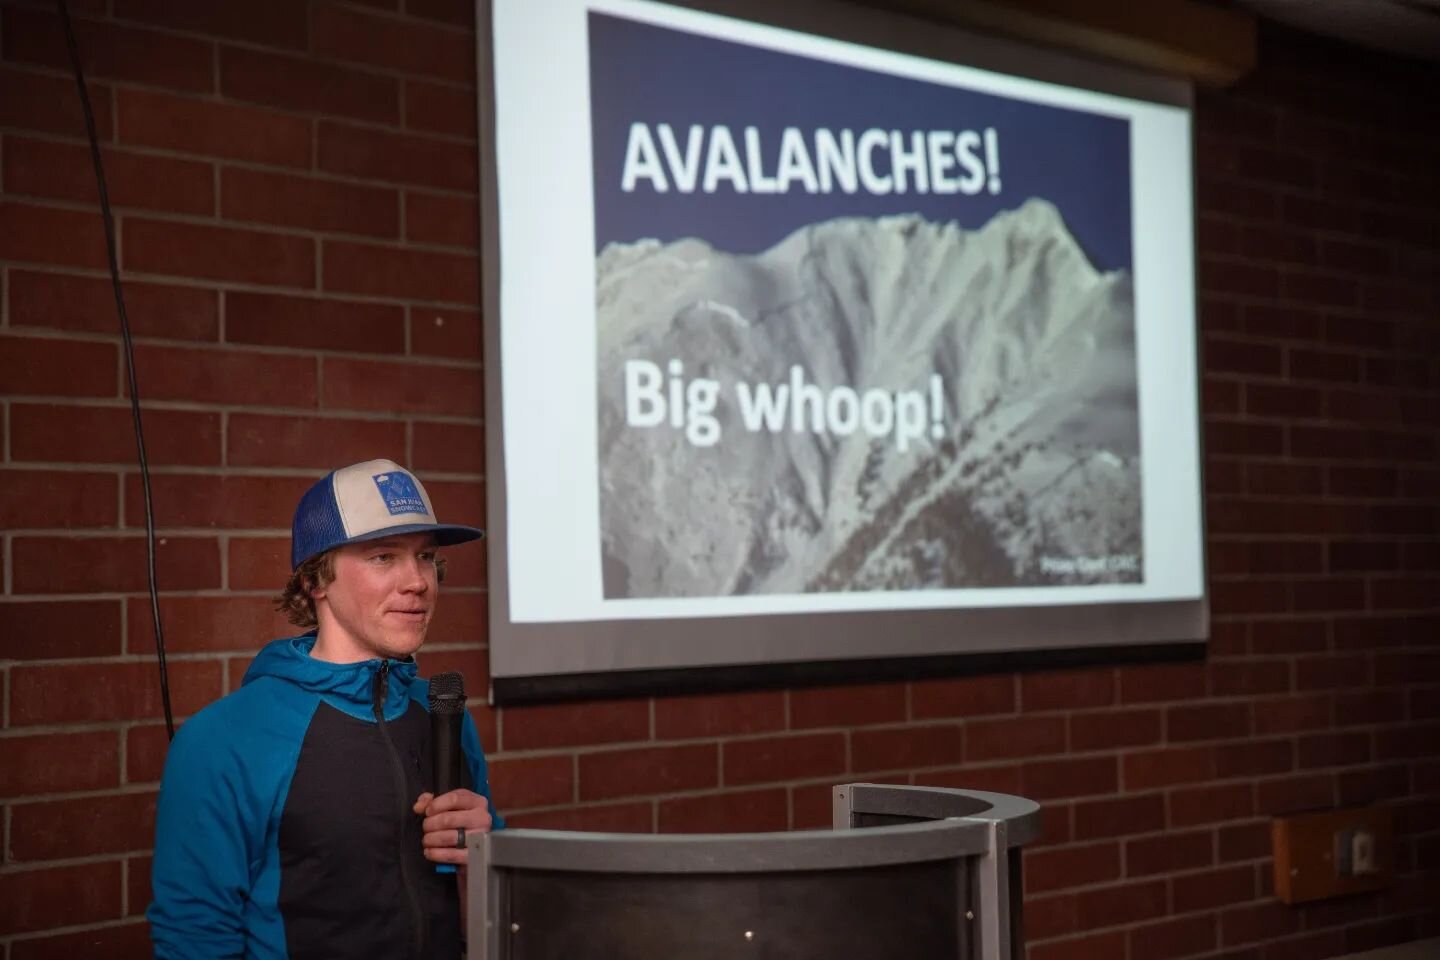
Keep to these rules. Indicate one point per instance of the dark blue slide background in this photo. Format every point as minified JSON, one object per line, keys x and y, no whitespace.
{"x":1078,"y":161}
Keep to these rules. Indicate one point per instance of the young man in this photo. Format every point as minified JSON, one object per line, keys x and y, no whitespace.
{"x":294,"y":819}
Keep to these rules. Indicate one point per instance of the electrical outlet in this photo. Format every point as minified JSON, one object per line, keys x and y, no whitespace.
{"x":1355,"y":852}
{"x":1333,"y":853}
{"x":1362,"y":852}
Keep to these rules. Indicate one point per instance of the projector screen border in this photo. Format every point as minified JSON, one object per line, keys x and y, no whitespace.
{"x":708,"y":654}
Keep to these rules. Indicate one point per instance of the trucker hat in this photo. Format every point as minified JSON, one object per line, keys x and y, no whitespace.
{"x":366,"y":501}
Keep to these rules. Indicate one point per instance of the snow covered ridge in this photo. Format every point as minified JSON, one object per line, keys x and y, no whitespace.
{"x":1028,"y":475}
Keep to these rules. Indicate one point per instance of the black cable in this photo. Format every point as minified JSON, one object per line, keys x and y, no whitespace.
{"x":129,"y":360}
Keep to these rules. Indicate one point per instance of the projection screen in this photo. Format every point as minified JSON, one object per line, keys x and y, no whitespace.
{"x":839,"y":337}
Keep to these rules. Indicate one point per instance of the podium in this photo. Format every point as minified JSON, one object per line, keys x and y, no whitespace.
{"x":925,"y":873}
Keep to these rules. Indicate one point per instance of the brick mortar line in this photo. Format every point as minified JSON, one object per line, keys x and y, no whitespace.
{"x":217,"y":95}
{"x":1249,"y":340}
{"x":1318,"y":342}
{"x":1269,"y":618}
{"x":404,"y":17}
{"x":1242,"y":220}
{"x":1317,"y":311}
{"x":1121,"y":792}
{"x":257,"y":225}
{"x":857,"y":776}
{"x":403,"y":222}
{"x":114,"y":106}
{"x":1341,"y":499}
{"x":30,"y":936}
{"x":239,"y":472}
{"x":190,"y":406}
{"x":221,"y":163}
{"x":1218,"y":912}
{"x":320,"y":273}
{"x":1282,"y":111}
{"x":146,"y":659}
{"x":125,"y":886}
{"x":212,"y":44}
{"x":1366,"y":390}
{"x":1289,"y":263}
{"x":88,"y":726}
{"x":1265,"y":229}
{"x":1327,"y":420}
{"x":311,"y":170}
{"x":1292,"y":231}
{"x":110,"y":17}
{"x":398,"y":243}
{"x":1368,"y":428}
{"x":229,"y":347}
{"x":404,"y":241}
{"x":1311,"y":576}
{"x":224,"y":545}
{"x":303,"y":412}
{"x":1282,"y":190}
{"x":199,"y":593}
{"x":222,"y":296}
{"x":657,"y":798}
{"x":1290,"y":269}
{"x":28,"y":866}
{"x":122,"y":754}
{"x":319,"y":367}
{"x":39,"y":799}
{"x":225,"y":286}
{"x":1286,"y":379}
{"x":293,"y":292}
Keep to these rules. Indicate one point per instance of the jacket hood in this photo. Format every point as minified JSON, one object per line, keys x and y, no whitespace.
{"x":347,"y":686}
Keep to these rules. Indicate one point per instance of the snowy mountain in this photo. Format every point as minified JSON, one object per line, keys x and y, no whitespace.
{"x":1034,"y":480}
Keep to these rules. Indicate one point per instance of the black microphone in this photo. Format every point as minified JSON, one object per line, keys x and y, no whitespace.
{"x":447,"y":707}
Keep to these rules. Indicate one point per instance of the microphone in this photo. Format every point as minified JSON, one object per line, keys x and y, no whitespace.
{"x":447,"y":707}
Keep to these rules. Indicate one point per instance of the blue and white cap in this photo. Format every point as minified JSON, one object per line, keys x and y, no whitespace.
{"x":366,"y":501}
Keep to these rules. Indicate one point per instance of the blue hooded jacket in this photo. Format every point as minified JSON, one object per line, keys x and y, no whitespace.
{"x":285,"y":826}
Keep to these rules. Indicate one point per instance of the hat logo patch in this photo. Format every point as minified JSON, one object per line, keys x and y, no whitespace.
{"x":399,"y":493}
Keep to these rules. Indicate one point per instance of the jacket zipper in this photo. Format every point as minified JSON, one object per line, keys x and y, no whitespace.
{"x":417,"y":917}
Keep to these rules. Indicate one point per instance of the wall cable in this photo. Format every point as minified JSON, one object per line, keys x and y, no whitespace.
{"x":110,"y":250}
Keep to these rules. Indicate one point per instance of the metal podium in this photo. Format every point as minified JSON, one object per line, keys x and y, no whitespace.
{"x":923,"y":873}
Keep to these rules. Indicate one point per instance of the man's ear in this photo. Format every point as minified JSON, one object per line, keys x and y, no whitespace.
{"x":316,"y":591}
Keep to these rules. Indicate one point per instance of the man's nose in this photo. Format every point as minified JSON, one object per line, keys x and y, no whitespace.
{"x":413,"y":575}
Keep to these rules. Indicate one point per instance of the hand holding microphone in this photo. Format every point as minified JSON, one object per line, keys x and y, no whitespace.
{"x":449,"y":810}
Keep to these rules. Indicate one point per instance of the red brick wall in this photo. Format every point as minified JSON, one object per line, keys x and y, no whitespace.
{"x":294,"y":187}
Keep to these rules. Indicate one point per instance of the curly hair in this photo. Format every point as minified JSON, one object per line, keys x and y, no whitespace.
{"x":296,"y":602}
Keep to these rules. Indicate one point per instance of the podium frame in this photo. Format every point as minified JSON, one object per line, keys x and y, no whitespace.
{"x":876,"y":826}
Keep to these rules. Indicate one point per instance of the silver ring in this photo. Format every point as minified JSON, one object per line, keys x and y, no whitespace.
{"x":460,"y":838}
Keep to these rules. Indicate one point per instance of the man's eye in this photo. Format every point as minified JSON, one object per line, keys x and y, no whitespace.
{"x":381,"y":557}
{"x":428,"y":556}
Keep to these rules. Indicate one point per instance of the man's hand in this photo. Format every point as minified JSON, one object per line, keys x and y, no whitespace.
{"x":445,"y":815}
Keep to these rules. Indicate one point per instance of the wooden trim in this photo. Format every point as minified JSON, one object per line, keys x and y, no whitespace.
{"x":1208,"y":44}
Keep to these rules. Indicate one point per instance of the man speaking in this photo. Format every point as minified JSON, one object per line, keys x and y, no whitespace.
{"x":295,"y":817}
